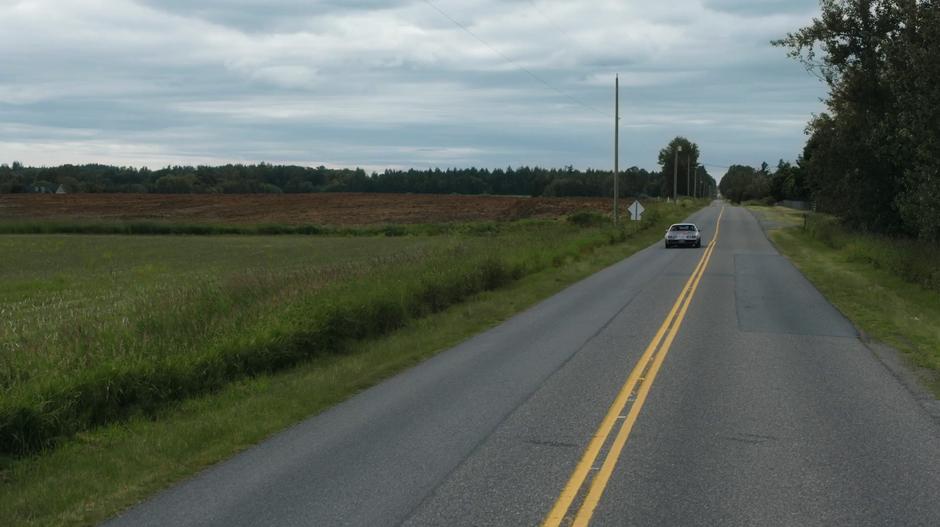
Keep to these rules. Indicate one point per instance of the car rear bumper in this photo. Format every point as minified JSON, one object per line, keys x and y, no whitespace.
{"x":679,"y":243}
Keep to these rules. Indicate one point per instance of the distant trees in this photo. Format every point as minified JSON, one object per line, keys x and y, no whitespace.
{"x":267,"y":178}
{"x":744,"y":183}
{"x":684,"y":169}
{"x":788,"y":182}
{"x":241,"y":179}
{"x":874,"y":157}
{"x":741,"y":183}
{"x":175,"y":184}
{"x":684,"y":152}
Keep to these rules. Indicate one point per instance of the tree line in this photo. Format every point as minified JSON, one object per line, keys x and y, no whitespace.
{"x":268,"y":178}
{"x":786,"y":182}
{"x":873,"y":157}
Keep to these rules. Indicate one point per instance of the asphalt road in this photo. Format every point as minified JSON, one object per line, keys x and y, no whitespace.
{"x":767,"y":410}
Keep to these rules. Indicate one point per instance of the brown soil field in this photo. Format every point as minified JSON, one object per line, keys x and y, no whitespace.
{"x":290,"y":209}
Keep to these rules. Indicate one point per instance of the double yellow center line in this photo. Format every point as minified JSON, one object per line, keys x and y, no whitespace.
{"x":633,"y":395}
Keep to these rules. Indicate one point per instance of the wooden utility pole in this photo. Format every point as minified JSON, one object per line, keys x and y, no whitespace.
{"x":616,"y":145}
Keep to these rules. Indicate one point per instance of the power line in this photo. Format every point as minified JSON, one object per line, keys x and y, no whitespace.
{"x":513,"y":62}
{"x":550,"y":20}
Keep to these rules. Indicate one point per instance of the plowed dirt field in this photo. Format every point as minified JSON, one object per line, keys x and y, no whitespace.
{"x":291,"y":209}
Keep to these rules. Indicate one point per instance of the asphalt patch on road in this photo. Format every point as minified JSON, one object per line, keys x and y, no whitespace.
{"x":772,"y":296}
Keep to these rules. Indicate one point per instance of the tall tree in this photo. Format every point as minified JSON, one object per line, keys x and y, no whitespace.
{"x":872,"y":158}
{"x":687,"y":160}
{"x":913,"y":66}
{"x":742,"y":183}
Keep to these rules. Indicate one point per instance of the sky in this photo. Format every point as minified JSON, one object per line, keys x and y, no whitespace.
{"x":398,"y":84}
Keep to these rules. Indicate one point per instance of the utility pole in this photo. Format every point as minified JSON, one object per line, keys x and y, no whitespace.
{"x":695,"y":189}
{"x":675,"y":175}
{"x":688,"y":174}
{"x":616,"y":145}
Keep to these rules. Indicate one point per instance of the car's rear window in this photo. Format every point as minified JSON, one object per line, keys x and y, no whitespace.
{"x":683,"y":227}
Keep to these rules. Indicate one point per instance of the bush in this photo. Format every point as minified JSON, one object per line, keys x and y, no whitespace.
{"x":588,"y":218}
{"x":394,"y":230}
{"x":913,"y":262}
{"x":826,"y":229}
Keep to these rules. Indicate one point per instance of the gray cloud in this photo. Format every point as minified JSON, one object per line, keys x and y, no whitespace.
{"x":394,"y":83}
{"x":755,"y":8}
{"x":261,"y":15}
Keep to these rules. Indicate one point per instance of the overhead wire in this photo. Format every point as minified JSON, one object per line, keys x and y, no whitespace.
{"x":550,"y":20}
{"x":514,"y":63}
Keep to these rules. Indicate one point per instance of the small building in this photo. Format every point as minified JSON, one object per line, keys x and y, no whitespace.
{"x":61,"y":190}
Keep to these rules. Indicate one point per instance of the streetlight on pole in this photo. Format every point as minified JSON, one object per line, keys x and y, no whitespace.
{"x":675,"y":175}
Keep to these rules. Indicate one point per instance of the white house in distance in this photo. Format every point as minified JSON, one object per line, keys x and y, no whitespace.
{"x":61,"y":190}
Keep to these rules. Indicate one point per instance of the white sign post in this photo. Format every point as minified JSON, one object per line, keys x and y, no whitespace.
{"x":636,"y":211}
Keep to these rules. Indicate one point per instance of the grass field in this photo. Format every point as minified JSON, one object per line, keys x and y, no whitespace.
{"x":64,"y":293}
{"x":889,"y":288}
{"x":78,"y":303}
{"x":97,"y":329}
{"x":138,"y":358}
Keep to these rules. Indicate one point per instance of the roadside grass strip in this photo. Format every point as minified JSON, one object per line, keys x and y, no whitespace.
{"x":630,"y":399}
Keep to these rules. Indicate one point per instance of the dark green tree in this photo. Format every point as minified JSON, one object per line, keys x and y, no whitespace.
{"x":687,"y":157}
{"x":873,"y":156}
{"x":742,"y":183}
{"x":788,"y":182}
{"x":913,"y":77}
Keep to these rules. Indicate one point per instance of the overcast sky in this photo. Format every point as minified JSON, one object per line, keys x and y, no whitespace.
{"x":380,"y":84}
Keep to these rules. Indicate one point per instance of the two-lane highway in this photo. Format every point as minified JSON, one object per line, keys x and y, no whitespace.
{"x":709,"y":386}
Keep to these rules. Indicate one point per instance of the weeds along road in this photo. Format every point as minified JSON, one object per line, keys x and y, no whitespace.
{"x":709,"y":386}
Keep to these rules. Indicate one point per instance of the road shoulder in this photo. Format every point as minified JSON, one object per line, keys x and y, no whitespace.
{"x":782,"y":227}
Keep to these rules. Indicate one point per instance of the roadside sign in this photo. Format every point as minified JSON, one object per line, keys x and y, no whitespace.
{"x":636,"y":211}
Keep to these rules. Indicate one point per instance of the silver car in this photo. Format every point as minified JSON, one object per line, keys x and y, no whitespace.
{"x":683,"y":234}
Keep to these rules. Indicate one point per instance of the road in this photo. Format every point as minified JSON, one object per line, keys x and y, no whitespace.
{"x":747,"y":399}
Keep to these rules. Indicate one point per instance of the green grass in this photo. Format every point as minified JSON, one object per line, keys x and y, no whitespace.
{"x":101,"y":470}
{"x":99,"y":329}
{"x":777,"y":217}
{"x":886,"y":287}
{"x":97,"y":342}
